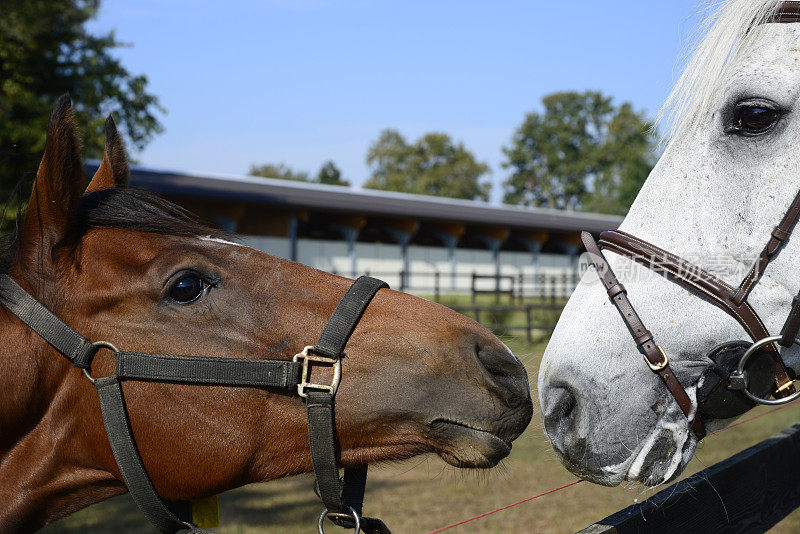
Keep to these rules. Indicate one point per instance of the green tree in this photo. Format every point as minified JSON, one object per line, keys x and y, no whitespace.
{"x":330,"y":174}
{"x":628,"y":155}
{"x":279,"y":171}
{"x":433,"y":165}
{"x":46,"y":51}
{"x":582,"y":152}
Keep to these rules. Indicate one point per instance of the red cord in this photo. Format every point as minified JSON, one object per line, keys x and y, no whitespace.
{"x":504,"y":507}
{"x":754,"y":417}
{"x":579,"y":480}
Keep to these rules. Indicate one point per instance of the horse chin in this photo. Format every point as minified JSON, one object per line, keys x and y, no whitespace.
{"x":461,"y":445}
{"x":661,"y":458}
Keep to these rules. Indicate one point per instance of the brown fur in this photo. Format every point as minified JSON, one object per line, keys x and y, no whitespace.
{"x":411,"y":370}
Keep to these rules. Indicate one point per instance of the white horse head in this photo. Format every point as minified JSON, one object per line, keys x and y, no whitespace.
{"x":728,"y":175}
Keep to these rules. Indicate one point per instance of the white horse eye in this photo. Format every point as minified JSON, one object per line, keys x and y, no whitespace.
{"x":753,"y":119}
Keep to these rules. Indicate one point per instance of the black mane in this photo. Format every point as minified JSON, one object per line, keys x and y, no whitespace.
{"x":129,"y":209}
{"x":135,"y":209}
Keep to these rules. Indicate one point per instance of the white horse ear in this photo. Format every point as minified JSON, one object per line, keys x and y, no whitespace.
{"x":113,"y":171}
{"x":59,"y":180}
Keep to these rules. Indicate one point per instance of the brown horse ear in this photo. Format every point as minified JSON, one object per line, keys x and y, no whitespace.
{"x":113,"y":170}
{"x":59,"y":181}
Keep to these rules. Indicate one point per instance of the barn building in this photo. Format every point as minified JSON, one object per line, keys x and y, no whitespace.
{"x":412,"y":241}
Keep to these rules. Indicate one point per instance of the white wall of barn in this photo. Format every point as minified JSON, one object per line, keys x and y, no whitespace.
{"x":384,"y":261}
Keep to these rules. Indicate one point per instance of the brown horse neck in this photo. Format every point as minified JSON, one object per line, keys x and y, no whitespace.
{"x":44,"y":473}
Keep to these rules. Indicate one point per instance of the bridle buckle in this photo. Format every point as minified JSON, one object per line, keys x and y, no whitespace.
{"x":306,"y":357}
{"x":658,"y":366}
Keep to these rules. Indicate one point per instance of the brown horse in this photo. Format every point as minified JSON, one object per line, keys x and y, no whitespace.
{"x":113,"y":263}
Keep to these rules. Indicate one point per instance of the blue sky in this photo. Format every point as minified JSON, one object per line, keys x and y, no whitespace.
{"x":300,"y":82}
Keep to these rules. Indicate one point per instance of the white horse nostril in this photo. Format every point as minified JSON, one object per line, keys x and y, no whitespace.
{"x":560,"y":410}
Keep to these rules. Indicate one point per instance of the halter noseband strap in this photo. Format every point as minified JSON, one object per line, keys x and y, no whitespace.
{"x":343,"y":500}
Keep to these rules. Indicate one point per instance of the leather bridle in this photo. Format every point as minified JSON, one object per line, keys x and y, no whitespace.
{"x":343,"y":498}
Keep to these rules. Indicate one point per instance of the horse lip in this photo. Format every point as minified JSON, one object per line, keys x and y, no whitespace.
{"x":486,"y":450}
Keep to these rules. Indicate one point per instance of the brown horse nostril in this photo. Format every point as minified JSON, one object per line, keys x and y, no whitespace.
{"x":506,"y":372}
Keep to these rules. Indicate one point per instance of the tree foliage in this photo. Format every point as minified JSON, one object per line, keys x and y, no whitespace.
{"x":582,"y":152}
{"x":280,"y":171}
{"x":433,"y":165}
{"x":46,"y":51}
{"x":329,"y":173}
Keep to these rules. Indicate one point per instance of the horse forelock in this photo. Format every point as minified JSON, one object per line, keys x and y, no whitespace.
{"x":718,"y":42}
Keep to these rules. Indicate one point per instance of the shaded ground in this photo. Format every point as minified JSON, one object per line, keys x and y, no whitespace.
{"x":423,"y":494}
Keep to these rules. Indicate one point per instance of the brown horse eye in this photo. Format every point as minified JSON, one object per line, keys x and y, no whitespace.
{"x":187,"y":289}
{"x":755,"y":119}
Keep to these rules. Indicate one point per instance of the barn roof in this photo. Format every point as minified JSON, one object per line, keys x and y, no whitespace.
{"x":334,"y":198}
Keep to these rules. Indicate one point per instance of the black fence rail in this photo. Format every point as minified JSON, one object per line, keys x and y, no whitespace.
{"x":526,"y":320}
{"x":511,"y":287}
{"x":521,"y":304}
{"x":749,"y":492}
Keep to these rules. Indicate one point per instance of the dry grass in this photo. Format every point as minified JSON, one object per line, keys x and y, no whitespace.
{"x":423,"y":494}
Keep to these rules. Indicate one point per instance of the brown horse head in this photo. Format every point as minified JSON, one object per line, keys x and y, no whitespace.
{"x":126,"y":267}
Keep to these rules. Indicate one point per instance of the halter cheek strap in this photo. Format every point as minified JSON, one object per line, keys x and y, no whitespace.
{"x":343,"y":499}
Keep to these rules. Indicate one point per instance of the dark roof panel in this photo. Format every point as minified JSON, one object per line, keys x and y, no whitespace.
{"x":367,"y":202}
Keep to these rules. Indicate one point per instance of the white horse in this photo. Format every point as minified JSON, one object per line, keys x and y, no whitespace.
{"x":727,"y":176}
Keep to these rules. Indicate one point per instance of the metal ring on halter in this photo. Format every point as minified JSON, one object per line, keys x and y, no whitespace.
{"x":739,"y":381}
{"x":353,"y":514}
{"x":97,"y":346}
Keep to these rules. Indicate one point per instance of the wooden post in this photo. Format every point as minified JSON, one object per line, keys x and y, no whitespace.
{"x":473,"y":289}
{"x":436,"y":290}
{"x":528,"y":321}
{"x":293,"y":236}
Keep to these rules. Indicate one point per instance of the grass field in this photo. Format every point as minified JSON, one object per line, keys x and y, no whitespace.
{"x":423,"y":494}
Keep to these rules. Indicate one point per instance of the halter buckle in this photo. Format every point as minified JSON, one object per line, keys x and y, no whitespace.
{"x":658,"y":366}
{"x":307,"y":356}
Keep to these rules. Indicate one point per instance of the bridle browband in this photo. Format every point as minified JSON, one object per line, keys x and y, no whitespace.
{"x":343,"y":498}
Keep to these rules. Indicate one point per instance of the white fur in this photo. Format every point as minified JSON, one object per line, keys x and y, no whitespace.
{"x":221,"y":241}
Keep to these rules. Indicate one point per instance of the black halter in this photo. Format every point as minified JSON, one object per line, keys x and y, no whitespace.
{"x":342,"y":498}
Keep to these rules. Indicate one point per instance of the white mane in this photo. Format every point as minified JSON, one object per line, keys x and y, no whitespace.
{"x":720,"y":39}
